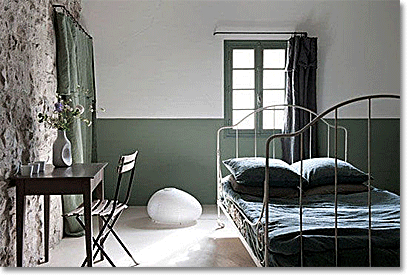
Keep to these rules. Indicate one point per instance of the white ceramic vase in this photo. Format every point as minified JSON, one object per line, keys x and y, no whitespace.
{"x":61,"y":150}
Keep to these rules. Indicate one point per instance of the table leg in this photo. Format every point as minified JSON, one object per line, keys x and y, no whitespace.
{"x":87,"y":201}
{"x":20,"y":219}
{"x":46,"y":227}
{"x":100,"y":194}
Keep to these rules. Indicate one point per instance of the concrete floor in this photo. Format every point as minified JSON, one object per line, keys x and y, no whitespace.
{"x":157,"y":245}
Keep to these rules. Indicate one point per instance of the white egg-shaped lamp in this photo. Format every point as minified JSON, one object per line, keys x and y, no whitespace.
{"x":173,"y":206}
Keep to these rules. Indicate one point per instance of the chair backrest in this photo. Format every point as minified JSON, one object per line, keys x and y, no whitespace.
{"x":127,"y":164}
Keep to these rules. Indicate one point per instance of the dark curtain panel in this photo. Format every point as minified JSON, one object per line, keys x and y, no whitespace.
{"x":75,"y":77}
{"x":301,"y":90}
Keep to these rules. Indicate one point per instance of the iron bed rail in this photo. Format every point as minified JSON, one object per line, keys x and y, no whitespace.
{"x":300,"y":133}
{"x":271,"y":139}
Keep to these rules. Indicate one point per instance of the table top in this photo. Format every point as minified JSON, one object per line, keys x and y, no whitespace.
{"x":77,"y":170}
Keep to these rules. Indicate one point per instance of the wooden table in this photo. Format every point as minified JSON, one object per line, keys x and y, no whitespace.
{"x":76,"y":179}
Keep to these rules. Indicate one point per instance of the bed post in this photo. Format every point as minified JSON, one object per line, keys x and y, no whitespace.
{"x":369,"y":197}
{"x":300,"y":200}
{"x":336,"y":187}
{"x":266,"y":205}
{"x":310,"y":138}
{"x":218,"y":178}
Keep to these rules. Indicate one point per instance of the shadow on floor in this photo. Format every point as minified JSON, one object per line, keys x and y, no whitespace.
{"x":148,"y":224}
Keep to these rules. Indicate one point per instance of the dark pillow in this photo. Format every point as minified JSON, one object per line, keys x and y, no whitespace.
{"x":250,"y":171}
{"x":321,"y":171}
{"x":258,"y":191}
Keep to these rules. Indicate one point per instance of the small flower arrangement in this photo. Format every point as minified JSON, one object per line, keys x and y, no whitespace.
{"x":63,"y":115}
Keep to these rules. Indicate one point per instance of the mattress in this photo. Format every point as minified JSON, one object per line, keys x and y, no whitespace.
{"x":318,"y":228}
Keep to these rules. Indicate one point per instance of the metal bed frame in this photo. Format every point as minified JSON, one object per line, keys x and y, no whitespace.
{"x":258,"y":226}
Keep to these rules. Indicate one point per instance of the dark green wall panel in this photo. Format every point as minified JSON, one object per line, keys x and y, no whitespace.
{"x":173,"y":153}
{"x":181,"y":153}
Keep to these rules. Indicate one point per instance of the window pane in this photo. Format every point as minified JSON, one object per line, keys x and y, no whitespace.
{"x":273,"y":79}
{"x":243,"y":99}
{"x":248,"y":123}
{"x":274,"y":58}
{"x":243,"y":79}
{"x":273,"y":97}
{"x":243,"y":58}
{"x":273,"y":122}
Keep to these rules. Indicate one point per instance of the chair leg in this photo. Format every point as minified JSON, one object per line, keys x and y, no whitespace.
{"x":119,"y":240}
{"x":124,"y":247}
{"x":102,"y":252}
{"x":100,"y":225}
{"x":101,"y":242}
{"x":96,"y":244}
{"x":101,"y":238}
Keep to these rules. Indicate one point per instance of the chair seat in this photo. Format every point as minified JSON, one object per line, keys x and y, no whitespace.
{"x":99,"y":208}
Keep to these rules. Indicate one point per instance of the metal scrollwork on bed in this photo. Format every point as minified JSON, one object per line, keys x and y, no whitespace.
{"x":252,"y":227}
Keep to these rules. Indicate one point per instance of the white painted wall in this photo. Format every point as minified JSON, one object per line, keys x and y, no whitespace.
{"x":159,"y":59}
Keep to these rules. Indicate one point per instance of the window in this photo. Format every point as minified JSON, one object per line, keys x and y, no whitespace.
{"x":254,"y":78}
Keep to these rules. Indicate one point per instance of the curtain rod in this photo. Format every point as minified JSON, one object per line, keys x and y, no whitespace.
{"x":73,"y":18}
{"x":256,"y":33}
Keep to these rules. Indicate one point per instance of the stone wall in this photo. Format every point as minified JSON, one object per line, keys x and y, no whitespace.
{"x":28,"y":86}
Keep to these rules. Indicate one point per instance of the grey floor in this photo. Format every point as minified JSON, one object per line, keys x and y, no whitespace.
{"x":153,"y":245}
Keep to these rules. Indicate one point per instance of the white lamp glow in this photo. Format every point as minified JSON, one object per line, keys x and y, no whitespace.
{"x":173,"y":206}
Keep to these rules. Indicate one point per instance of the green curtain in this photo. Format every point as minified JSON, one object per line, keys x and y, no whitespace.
{"x":75,"y":77}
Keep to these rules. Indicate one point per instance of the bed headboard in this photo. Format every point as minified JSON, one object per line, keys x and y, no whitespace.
{"x":236,"y":134}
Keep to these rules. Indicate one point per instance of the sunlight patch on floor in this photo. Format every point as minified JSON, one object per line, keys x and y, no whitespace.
{"x":169,"y":246}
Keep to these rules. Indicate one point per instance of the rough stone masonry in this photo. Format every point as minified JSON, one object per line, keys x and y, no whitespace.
{"x":28,"y":86}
